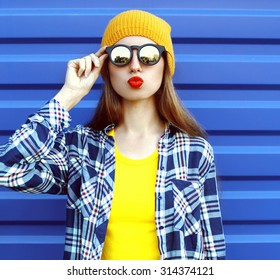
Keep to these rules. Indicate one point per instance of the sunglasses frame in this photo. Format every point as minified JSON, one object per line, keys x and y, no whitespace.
{"x":109,"y":50}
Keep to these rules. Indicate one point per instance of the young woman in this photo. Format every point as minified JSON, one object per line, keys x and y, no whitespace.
{"x":140,"y":177}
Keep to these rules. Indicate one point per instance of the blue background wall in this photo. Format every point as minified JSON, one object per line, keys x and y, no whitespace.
{"x":228,"y":75}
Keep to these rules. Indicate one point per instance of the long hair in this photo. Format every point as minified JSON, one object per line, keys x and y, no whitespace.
{"x":171,"y":109}
{"x":169,"y":106}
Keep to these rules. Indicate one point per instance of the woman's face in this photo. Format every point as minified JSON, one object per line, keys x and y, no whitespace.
{"x":121,"y":76}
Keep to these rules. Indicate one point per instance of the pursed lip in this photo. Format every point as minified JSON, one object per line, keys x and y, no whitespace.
{"x":135,"y":82}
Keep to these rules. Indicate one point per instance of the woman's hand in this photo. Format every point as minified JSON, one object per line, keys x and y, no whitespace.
{"x":80,"y":77}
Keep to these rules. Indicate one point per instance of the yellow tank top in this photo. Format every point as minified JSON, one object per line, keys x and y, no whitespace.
{"x":131,"y":232}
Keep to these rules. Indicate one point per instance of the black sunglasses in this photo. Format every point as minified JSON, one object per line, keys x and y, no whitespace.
{"x":148,"y":54}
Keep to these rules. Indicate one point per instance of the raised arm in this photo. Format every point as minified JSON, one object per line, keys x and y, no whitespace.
{"x":80,"y":76}
{"x":36,"y":158}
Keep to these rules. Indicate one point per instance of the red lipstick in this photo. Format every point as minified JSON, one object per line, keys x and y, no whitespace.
{"x":135,"y":82}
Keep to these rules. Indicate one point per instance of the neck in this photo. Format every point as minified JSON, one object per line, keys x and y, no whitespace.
{"x":141,"y":117}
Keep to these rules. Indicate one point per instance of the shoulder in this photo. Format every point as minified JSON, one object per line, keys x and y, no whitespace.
{"x":79,"y":130}
{"x":198,"y":152}
{"x":193,"y":143}
{"x":82,"y":134}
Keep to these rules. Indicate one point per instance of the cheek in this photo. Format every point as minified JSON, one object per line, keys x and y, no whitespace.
{"x":157,"y":76}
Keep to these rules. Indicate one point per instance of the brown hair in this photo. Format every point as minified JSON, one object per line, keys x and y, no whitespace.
{"x":169,"y":105}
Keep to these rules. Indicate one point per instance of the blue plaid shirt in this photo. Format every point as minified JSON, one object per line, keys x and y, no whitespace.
{"x":43,"y":157}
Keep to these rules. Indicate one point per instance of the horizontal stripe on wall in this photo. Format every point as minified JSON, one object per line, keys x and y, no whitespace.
{"x":227,"y":75}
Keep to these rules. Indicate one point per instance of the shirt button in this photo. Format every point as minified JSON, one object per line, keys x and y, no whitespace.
{"x":161,"y":227}
{"x":162,"y":168}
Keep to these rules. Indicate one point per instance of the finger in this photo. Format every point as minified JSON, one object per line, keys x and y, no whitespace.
{"x":73,"y":63}
{"x":95,"y":60}
{"x":101,"y":51}
{"x":88,"y":65}
{"x":102,"y":59}
{"x":96,"y":70}
{"x":82,"y":66}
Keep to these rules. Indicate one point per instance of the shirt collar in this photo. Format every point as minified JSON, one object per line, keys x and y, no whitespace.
{"x":170,"y":127}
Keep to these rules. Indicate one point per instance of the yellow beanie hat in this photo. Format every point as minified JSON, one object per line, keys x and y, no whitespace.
{"x":140,"y":23}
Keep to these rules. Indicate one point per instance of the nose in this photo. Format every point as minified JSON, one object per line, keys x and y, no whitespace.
{"x":134,"y":64}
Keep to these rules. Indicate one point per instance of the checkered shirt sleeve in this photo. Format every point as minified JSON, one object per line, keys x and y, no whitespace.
{"x":34,"y":159}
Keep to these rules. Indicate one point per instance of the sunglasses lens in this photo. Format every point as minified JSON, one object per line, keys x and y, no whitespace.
{"x":120,"y":55}
{"x":149,"y":55}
